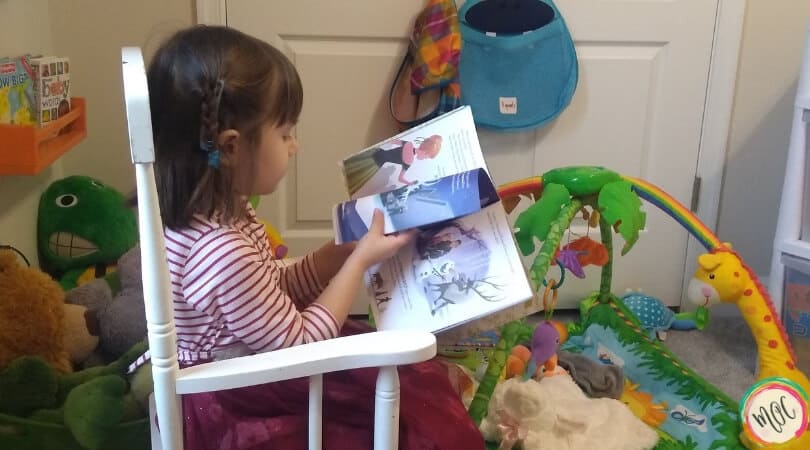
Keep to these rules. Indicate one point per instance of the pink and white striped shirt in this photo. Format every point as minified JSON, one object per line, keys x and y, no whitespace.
{"x":232,"y":298}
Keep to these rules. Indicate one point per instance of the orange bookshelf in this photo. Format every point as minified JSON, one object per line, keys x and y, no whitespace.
{"x":27,"y":150}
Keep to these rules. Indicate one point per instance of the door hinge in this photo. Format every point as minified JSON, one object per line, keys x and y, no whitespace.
{"x":693,"y":204}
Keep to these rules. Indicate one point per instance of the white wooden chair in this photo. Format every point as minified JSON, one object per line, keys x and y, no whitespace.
{"x":385,"y":349}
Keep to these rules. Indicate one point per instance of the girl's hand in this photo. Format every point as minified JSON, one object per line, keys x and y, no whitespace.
{"x":347,"y":282}
{"x":376,"y":247}
{"x":330,"y":258}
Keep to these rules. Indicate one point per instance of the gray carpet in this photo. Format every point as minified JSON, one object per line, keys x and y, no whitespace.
{"x":723,"y":353}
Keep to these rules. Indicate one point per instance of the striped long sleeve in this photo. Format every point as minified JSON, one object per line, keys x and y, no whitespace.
{"x":231,"y":297}
{"x":227,"y":279}
{"x":299,"y":279}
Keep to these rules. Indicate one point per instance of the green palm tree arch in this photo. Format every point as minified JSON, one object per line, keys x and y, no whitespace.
{"x":567,"y":191}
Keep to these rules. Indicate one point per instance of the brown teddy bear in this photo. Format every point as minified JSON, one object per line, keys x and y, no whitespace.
{"x":32,"y":315}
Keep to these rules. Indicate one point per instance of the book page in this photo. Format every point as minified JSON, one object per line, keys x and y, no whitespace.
{"x":416,"y":205}
{"x":454,"y":272}
{"x":444,"y":146}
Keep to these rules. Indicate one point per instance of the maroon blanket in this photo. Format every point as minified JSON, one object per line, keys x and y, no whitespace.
{"x":274,"y":416}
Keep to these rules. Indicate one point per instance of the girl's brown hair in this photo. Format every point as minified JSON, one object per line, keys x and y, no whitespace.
{"x":203,"y":80}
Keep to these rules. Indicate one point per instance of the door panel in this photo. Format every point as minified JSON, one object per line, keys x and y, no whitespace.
{"x":638,"y":109}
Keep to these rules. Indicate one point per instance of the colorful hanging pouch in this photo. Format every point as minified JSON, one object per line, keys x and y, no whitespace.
{"x":519,"y":67}
{"x":430,"y":66}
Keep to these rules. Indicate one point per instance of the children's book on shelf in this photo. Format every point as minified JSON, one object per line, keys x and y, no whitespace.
{"x":464,"y":264}
{"x":17,"y":103}
{"x":52,"y":87}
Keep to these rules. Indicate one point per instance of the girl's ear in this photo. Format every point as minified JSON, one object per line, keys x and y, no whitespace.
{"x":229,"y":143}
{"x":228,"y":140}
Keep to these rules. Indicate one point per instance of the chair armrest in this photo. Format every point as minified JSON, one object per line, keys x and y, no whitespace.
{"x":377,"y":349}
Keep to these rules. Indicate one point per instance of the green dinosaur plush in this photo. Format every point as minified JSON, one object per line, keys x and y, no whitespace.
{"x":141,"y":386}
{"x":91,"y":403}
{"x":83,"y":227}
{"x":94,"y":408}
{"x":68,"y":382}
{"x":28,"y":383}
{"x":54,"y":416}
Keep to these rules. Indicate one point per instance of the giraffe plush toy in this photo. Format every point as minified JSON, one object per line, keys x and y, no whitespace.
{"x":723,"y":277}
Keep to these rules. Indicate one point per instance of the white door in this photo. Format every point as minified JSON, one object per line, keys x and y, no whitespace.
{"x":638,"y":109}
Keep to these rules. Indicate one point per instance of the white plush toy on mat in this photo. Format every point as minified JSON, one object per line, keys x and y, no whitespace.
{"x":554,"y":414}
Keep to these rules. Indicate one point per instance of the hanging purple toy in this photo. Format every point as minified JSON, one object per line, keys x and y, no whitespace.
{"x":545,"y":342}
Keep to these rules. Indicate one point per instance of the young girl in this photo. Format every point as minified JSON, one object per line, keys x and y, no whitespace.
{"x":223,"y":109}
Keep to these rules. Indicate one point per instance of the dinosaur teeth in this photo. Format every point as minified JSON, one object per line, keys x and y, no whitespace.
{"x":69,"y":245}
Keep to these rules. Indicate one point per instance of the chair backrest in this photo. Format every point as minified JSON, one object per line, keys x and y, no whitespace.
{"x":156,"y":287}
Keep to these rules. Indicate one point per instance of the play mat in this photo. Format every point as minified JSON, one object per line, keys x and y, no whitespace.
{"x":689,"y":412}
{"x":686,"y":411}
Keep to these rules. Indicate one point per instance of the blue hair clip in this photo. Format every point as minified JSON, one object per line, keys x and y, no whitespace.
{"x":213,"y":153}
{"x":213,"y":158}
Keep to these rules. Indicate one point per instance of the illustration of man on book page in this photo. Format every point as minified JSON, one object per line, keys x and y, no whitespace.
{"x":451,"y":263}
{"x":404,"y":208}
{"x":386,"y":167}
{"x":417,"y":205}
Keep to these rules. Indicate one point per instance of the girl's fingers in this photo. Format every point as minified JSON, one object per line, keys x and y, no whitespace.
{"x":405,"y":236}
{"x":377,"y":222}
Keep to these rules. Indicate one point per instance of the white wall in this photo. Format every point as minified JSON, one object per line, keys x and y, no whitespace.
{"x":94,"y":48}
{"x":92,"y":31}
{"x":769,"y":62}
{"x":21,"y":31}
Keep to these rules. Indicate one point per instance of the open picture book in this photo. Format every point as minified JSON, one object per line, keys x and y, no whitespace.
{"x":464,"y":264}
